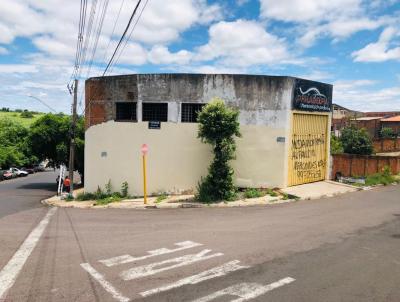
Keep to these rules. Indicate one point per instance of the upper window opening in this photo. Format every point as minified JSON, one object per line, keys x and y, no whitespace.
{"x":190,"y":112}
{"x":125,"y":111}
{"x":155,"y":112}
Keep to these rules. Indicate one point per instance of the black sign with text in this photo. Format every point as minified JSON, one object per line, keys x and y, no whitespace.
{"x":154,"y":125}
{"x":312,"y":96}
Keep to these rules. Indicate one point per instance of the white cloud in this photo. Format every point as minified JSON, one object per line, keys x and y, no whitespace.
{"x":3,"y":51}
{"x":161,"y":55}
{"x":17,"y":68}
{"x":307,"y":11}
{"x":313,"y":19}
{"x":379,"y":51}
{"x":362,"y":95}
{"x":243,"y":43}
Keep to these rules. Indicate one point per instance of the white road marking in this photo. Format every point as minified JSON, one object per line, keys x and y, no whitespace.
{"x":128,"y":258}
{"x":10,"y":271}
{"x":246,"y":291}
{"x":206,"y":275}
{"x":151,"y":269}
{"x":108,"y":287}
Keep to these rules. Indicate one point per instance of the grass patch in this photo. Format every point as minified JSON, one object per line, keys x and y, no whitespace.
{"x":379,"y":179}
{"x":272,"y":193}
{"x":161,"y":197}
{"x":253,"y":193}
{"x":16,"y":117}
{"x":107,"y":200}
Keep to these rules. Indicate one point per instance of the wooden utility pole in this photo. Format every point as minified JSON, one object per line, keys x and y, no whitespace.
{"x":72,"y":144}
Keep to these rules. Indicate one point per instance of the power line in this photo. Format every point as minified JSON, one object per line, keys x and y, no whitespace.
{"x":81,"y":30}
{"x":123,"y":36}
{"x":130,"y":35}
{"x":99,"y":29}
{"x":88,"y":35}
{"x":113,"y":30}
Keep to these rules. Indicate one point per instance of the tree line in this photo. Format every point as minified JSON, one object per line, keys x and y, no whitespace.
{"x":46,"y":138}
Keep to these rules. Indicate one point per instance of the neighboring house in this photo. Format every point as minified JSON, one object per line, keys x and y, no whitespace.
{"x":383,"y":114}
{"x":392,"y":122}
{"x":284,"y":123}
{"x":341,"y":117}
{"x":340,"y":112}
{"x":371,"y":123}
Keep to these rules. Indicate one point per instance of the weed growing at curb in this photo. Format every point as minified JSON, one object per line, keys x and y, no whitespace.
{"x":161,"y":197}
{"x":253,"y":193}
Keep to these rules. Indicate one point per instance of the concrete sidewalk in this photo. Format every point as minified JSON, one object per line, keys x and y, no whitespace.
{"x":320,"y":189}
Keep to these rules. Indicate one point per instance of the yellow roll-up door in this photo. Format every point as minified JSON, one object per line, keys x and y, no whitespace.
{"x":308,"y":153}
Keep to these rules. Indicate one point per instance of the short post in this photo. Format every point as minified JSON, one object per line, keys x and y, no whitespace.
{"x":144,"y":150}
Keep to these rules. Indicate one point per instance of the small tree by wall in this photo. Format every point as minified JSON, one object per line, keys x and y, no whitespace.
{"x":387,"y":132}
{"x":336,"y":145}
{"x":218,"y":126}
{"x":356,"y":141}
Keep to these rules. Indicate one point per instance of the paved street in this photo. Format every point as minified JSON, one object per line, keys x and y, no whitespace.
{"x":337,"y":249}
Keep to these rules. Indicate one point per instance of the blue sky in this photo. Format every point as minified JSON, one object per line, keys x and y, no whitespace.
{"x":352,"y":44}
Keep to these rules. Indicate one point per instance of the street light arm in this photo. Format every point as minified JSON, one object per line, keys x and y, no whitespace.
{"x":42,"y":102}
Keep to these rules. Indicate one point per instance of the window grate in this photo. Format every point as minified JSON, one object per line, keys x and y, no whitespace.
{"x":125,"y":111}
{"x":155,"y":112}
{"x":190,"y":112}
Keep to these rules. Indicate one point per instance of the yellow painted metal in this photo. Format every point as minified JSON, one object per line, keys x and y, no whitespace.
{"x":308,"y":153}
{"x":144,"y":179}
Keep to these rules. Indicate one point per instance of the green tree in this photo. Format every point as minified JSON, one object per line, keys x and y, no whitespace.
{"x":218,"y":126}
{"x":49,"y":138}
{"x":387,"y":132}
{"x":26,"y":114}
{"x":336,"y":145}
{"x":356,"y":141}
{"x":14,"y":149}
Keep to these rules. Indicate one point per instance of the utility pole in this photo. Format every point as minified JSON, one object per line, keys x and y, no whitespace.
{"x":72,"y":144}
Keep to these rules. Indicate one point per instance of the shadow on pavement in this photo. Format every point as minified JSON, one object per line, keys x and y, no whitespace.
{"x":47,"y":186}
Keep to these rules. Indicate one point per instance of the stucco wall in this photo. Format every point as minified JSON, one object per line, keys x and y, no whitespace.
{"x":177,"y":159}
{"x":262,"y":100}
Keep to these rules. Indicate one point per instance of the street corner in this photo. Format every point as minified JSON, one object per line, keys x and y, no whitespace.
{"x":164,"y":202}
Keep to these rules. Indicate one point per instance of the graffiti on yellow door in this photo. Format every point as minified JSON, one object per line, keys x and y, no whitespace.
{"x":307,"y":157}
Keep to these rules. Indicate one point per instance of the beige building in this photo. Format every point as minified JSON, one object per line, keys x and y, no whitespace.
{"x":284,"y":123}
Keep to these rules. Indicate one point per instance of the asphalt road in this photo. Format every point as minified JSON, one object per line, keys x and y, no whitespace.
{"x":337,"y":249}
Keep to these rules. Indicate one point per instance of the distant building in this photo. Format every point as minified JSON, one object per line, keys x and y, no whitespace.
{"x":371,"y":123}
{"x":341,"y":117}
{"x":392,"y":122}
{"x":284,"y":122}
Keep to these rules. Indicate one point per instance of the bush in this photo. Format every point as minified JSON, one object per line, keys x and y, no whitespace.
{"x":218,"y":125}
{"x":385,"y":178}
{"x":124,"y":189}
{"x":387,"y":132}
{"x":26,"y":114}
{"x":253,"y":193}
{"x":204,"y":191}
{"x":108,"y":187}
{"x":356,"y":141}
{"x":336,"y":145}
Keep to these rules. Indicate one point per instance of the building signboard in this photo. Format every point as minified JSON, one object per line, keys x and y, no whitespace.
{"x":312,"y":96}
{"x":154,"y":125}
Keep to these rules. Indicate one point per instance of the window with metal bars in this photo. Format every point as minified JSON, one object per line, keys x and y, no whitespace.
{"x":125,"y":111}
{"x":190,"y":112}
{"x":155,"y":112}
